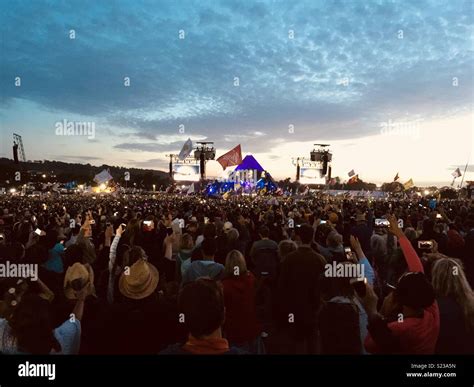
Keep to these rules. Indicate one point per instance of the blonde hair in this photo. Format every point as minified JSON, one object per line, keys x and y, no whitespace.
{"x":449,"y":280}
{"x":235,"y":260}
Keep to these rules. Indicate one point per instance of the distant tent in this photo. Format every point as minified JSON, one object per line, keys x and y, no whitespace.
{"x":103,"y":177}
{"x":249,"y":163}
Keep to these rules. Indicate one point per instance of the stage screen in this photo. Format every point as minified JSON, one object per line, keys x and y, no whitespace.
{"x":186,"y":172}
{"x":310,"y":175}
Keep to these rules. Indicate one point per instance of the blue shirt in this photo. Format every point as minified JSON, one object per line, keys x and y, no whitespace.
{"x":198,"y":269}
{"x":55,"y":260}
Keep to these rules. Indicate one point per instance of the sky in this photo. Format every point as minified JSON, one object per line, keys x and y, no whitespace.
{"x":389,"y":84}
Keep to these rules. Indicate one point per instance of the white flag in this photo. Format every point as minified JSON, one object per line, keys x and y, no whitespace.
{"x":190,"y":189}
{"x":103,"y":177}
{"x":457,"y":173}
{"x":186,"y":151}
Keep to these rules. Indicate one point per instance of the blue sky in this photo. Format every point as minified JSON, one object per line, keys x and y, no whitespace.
{"x":335,"y":71}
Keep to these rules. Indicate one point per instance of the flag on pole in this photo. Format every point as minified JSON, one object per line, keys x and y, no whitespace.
{"x":408,"y":184}
{"x":103,"y":177}
{"x":190,"y":189}
{"x":396,"y":177}
{"x":353,"y":179}
{"x":351,"y":173}
{"x":457,"y":173}
{"x":186,"y":150}
{"x":233,"y":157}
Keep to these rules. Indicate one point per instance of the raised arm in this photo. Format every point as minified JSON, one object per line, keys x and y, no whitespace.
{"x":112,"y":259}
{"x":368,"y":270}
{"x":411,"y":257}
{"x":113,"y":248}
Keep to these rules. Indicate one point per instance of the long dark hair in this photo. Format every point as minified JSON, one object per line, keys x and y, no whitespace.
{"x":32,"y":326}
{"x":132,"y":231}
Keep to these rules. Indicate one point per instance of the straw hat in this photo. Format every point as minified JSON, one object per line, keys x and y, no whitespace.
{"x":139,"y":281}
{"x":77,"y":277}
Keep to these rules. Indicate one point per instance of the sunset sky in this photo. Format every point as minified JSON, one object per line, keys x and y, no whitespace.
{"x":389,"y":84}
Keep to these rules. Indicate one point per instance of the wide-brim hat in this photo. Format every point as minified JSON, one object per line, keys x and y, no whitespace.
{"x":139,"y":281}
{"x":81,"y":272}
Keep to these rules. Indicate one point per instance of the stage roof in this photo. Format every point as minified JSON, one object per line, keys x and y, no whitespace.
{"x":249,"y":162}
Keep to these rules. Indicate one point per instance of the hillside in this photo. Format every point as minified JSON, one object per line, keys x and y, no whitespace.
{"x":58,"y":171}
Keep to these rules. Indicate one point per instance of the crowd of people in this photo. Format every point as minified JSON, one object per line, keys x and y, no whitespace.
{"x":169,"y":274}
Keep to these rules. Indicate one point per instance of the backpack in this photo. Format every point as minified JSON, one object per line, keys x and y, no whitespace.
{"x":266,"y":263}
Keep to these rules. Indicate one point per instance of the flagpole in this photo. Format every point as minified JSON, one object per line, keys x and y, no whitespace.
{"x":465,"y":169}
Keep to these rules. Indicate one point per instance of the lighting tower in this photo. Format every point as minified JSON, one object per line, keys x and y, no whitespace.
{"x":204,"y":152}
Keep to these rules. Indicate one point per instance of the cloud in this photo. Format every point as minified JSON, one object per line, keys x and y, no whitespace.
{"x":77,"y":158}
{"x":146,"y":147}
{"x":470,"y":168}
{"x":245,"y":71}
{"x":145,"y":135}
{"x":151,"y":163}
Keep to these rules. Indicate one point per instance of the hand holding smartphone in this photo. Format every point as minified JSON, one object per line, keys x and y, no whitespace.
{"x":425,"y":245}
{"x":39,"y":232}
{"x":382,"y":222}
{"x":360,"y":286}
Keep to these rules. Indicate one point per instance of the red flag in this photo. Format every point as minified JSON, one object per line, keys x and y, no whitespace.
{"x":233,"y":157}
{"x":353,"y":179}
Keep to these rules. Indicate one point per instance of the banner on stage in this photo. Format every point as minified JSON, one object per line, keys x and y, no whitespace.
{"x":311,"y":175}
{"x":186,"y":172}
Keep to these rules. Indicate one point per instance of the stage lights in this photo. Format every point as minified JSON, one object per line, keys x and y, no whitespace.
{"x":204,"y":152}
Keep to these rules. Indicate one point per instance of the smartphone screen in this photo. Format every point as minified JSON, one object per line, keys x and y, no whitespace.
{"x":425,"y":245}
{"x":359,"y":285}
{"x":38,"y":231}
{"x":382,"y":222}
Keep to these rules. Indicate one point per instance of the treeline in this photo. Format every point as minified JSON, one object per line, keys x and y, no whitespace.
{"x":62,"y":172}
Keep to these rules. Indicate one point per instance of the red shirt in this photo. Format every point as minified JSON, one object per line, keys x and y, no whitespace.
{"x":416,"y":335}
